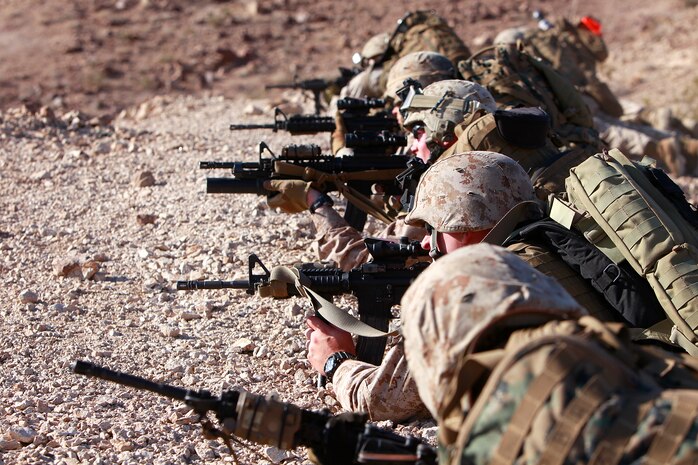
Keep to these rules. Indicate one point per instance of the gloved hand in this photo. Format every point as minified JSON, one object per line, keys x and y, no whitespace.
{"x":292,"y":196}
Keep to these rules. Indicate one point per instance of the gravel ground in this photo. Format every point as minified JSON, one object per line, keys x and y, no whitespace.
{"x":98,"y":224}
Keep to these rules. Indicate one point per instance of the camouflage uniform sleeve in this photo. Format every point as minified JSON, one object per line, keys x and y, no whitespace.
{"x":385,"y":392}
{"x":338,"y":241}
{"x":398,"y":229}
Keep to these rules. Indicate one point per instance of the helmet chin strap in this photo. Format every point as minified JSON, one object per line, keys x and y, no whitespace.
{"x":434,"y":251}
{"x":435,"y":150}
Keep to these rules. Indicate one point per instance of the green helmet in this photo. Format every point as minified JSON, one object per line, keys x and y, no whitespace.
{"x":445,"y":104}
{"x":424,"y":67}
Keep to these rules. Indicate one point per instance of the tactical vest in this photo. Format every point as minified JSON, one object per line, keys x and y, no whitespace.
{"x":516,"y":79}
{"x":536,"y":388}
{"x":609,"y":291}
{"x":550,"y":264}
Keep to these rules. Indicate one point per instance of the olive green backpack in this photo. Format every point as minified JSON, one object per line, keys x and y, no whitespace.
{"x":635,"y":213}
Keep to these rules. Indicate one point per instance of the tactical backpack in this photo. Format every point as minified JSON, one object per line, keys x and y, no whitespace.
{"x":564,"y":49}
{"x":517,"y":79}
{"x":419,"y":31}
{"x":634,"y":213}
{"x":534,"y":388}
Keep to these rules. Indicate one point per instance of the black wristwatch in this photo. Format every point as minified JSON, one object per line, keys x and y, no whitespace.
{"x":334,"y":361}
{"x":323,"y":200}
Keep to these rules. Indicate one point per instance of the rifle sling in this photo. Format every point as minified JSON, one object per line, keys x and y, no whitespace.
{"x":340,"y":180}
{"x":326,"y":309}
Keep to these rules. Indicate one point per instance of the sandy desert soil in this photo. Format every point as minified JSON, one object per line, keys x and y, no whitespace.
{"x":91,"y":245}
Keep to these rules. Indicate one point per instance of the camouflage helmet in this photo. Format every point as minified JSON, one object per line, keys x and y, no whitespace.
{"x":445,"y":104}
{"x":450,"y":303}
{"x":375,"y":46}
{"x":425,"y":67}
{"x":469,"y":191}
{"x":511,"y":35}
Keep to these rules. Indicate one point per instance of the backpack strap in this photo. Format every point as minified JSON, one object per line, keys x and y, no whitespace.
{"x":519,"y":213}
{"x":561,"y":364}
{"x":610,"y":451}
{"x":675,"y":428}
{"x":573,"y":419}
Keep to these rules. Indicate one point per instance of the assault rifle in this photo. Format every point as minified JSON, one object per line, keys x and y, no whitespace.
{"x":339,"y":439}
{"x":354,"y":114}
{"x":307,"y":163}
{"x":378,"y":285}
{"x":319,"y":86}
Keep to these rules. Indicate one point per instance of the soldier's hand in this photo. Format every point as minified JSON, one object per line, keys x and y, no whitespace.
{"x":324,"y":340}
{"x":292,"y":196}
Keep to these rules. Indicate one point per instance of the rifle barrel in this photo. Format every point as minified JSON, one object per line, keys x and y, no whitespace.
{"x":90,"y":369}
{"x":240,"y":127}
{"x":196,"y":285}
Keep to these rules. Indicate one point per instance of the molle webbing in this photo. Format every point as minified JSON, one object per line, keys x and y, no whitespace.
{"x":646,"y":230}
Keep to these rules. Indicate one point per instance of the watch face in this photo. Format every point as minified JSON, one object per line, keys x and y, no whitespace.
{"x":329,"y":364}
{"x":334,"y":361}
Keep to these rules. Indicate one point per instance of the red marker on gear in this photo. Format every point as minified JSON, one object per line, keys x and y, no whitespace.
{"x":591,"y":23}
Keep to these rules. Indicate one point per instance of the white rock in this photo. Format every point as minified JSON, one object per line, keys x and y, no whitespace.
{"x":204,"y":451}
{"x":40,"y":175}
{"x":277,"y":455}
{"x":299,"y":376}
{"x":243,"y":345}
{"x":253,"y":109}
{"x":23,"y":435}
{"x":170,"y":331}
{"x":187,"y":315}
{"x":28,"y":297}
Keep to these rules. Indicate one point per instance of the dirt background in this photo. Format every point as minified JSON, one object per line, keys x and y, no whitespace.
{"x":101,"y":56}
{"x":91,"y":244}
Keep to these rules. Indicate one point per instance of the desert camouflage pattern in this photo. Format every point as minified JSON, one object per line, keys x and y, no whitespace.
{"x":517,"y":79}
{"x":385,"y":392}
{"x":460,"y":98}
{"x":365,"y":84}
{"x":574,"y":52}
{"x":469,"y":191}
{"x":425,"y":67}
{"x":375,"y":46}
{"x":481,"y":134}
{"x":338,"y":242}
{"x":454,"y":298}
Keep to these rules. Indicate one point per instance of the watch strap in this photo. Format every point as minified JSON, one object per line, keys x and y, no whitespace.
{"x":323,"y":200}
{"x":334,"y":361}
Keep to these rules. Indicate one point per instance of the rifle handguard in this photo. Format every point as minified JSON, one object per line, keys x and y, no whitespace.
{"x":264,"y":420}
